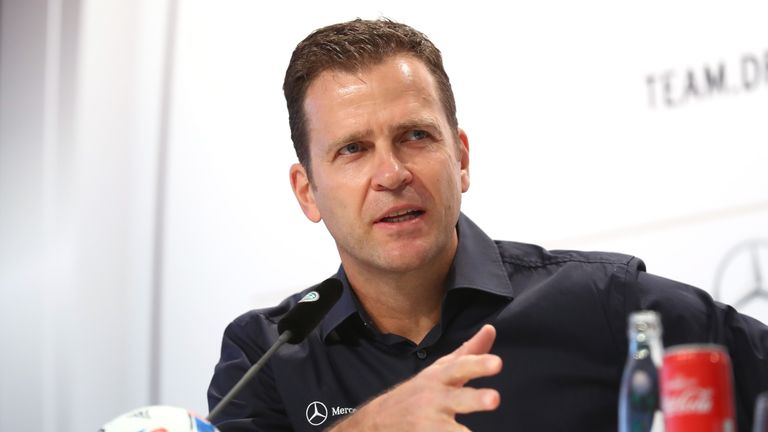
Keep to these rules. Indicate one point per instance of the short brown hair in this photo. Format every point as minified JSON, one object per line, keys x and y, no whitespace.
{"x":350,"y":47}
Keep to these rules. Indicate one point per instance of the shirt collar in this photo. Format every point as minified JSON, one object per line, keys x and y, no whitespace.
{"x":343,"y":309}
{"x":477,"y":265}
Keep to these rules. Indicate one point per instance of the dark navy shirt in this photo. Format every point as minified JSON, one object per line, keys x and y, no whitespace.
{"x":560,"y":318}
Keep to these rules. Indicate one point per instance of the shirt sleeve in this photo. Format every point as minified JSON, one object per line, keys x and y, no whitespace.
{"x":258,"y":407}
{"x":690,"y":315}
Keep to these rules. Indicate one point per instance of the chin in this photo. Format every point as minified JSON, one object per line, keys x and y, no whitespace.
{"x":399,"y":266}
{"x":406,"y":261}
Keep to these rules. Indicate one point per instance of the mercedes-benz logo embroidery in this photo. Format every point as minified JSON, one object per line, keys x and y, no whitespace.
{"x":317,"y":413}
{"x":742,"y":274}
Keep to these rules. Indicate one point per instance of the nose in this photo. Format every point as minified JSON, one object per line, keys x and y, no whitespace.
{"x":390,"y":173}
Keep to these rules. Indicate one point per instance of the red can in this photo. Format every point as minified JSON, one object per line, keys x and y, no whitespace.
{"x":697,"y":389}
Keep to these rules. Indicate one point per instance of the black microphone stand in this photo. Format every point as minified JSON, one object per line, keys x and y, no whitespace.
{"x":282,"y":339}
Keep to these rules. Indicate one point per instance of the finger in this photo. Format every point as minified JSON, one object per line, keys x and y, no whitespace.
{"x":480,"y":343}
{"x":466,"y":400}
{"x":451,"y":426}
{"x":456,"y":427}
{"x":447,"y":425}
{"x":465,"y":368}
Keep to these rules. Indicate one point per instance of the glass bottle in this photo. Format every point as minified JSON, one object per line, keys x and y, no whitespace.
{"x":639,"y":409}
{"x":760,"y":423}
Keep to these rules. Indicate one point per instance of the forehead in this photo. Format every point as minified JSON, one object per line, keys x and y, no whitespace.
{"x":399,"y":79}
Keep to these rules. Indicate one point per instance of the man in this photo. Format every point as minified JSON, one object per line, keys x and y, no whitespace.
{"x":413,"y":344}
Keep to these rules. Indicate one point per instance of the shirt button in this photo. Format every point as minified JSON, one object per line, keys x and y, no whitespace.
{"x":421,"y":354}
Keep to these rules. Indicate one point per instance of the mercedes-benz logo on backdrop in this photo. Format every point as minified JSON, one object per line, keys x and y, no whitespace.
{"x":741,"y":275}
{"x":317,"y":413}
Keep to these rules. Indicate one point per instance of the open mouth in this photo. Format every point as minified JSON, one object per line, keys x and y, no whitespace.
{"x":402,"y":216}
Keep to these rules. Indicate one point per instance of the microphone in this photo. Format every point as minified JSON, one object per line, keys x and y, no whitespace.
{"x":310,"y":310}
{"x":293,"y":328}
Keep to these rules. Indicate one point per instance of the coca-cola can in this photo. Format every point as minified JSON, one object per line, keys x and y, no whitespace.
{"x":697,"y":389}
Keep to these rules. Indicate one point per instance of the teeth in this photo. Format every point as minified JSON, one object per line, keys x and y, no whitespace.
{"x":401,"y":216}
{"x":400,"y":213}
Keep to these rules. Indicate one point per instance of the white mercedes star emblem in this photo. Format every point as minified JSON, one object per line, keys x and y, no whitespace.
{"x":741,"y":276}
{"x":317,"y":413}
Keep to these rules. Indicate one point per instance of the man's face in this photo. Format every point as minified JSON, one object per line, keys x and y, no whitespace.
{"x":388,"y":171}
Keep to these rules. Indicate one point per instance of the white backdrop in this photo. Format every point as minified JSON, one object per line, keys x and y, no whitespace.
{"x":596,"y":125}
{"x":567,"y":147}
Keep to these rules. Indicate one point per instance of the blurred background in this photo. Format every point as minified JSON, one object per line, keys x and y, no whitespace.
{"x":144,"y":154}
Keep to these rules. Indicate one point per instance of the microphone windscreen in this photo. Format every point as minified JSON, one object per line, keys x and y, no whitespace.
{"x":308,"y":312}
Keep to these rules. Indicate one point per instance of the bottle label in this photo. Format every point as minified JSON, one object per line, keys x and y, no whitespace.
{"x":696,"y":390}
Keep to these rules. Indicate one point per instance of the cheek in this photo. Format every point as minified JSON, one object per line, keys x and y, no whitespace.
{"x":335,"y":199}
{"x":447,"y":180}
{"x":452,"y":176}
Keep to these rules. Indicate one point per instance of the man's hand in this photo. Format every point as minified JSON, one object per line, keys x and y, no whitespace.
{"x":430,"y":400}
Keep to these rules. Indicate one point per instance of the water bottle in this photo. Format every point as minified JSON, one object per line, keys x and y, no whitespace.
{"x":639,"y":409}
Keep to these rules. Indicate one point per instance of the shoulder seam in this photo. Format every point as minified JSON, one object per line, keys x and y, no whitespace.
{"x":533,"y":264}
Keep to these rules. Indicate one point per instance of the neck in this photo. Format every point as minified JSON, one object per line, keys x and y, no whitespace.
{"x":404,"y":303}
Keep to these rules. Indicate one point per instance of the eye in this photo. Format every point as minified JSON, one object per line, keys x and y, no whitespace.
{"x":416,"y":135}
{"x":350,"y":149}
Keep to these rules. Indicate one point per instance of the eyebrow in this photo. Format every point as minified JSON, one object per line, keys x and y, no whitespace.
{"x":418,"y":123}
{"x":428,"y":123}
{"x":348,"y":139}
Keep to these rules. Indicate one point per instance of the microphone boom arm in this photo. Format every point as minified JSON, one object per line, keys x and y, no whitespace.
{"x":252,"y":371}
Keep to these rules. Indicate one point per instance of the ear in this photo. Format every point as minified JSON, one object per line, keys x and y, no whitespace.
{"x":302,"y":189}
{"x":464,"y":159}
